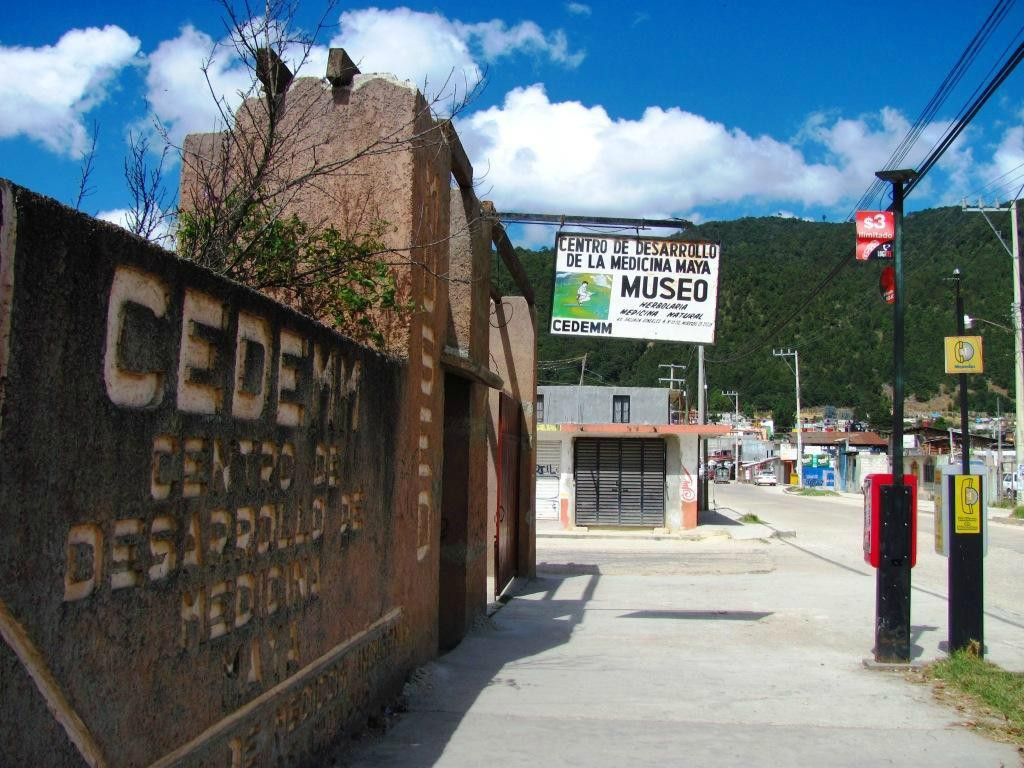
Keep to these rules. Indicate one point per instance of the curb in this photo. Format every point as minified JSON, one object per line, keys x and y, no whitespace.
{"x":696,"y":535}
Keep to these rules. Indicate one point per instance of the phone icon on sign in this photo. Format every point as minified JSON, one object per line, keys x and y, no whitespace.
{"x":970,"y":498}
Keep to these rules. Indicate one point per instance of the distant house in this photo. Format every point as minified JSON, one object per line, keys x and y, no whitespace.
{"x":609,"y":456}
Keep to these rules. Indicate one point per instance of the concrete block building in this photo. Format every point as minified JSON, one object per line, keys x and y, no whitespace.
{"x":608,"y":456}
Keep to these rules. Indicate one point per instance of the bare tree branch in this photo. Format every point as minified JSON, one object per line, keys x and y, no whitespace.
{"x":86,"y":168}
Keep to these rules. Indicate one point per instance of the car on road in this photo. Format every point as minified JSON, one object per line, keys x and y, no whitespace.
{"x":765,"y":478}
{"x":1012,"y":483}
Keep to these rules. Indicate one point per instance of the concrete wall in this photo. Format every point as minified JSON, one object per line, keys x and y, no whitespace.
{"x":593,"y":405}
{"x":441,"y":260}
{"x":227,"y":533}
{"x":205,"y":537}
{"x":464,"y":513}
{"x":513,"y":351}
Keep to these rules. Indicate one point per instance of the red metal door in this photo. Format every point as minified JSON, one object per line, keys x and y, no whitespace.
{"x":506,"y":531}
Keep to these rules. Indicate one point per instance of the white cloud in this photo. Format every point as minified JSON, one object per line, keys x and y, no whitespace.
{"x":178,"y":90}
{"x":430,"y":49}
{"x":47,"y":91}
{"x":425,"y":48}
{"x":162,"y":235}
{"x":580,"y":9}
{"x":567,"y":157}
{"x":496,"y":39}
{"x":1003,"y":178}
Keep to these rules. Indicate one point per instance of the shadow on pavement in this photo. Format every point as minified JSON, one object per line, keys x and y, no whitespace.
{"x":699,"y":615}
{"x":440,"y":693}
{"x":713,"y":517}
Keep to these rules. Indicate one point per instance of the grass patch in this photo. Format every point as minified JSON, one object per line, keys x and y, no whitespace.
{"x":814,"y":492}
{"x":1003,"y":504}
{"x":750,"y":517}
{"x":1018,"y":513}
{"x":991,"y":697}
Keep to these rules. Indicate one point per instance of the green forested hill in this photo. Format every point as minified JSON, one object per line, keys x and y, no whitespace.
{"x":769,"y":267}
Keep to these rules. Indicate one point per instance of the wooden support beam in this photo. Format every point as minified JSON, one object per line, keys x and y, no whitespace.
{"x":453,"y":361}
{"x":508,"y":253}
{"x":462,"y":169}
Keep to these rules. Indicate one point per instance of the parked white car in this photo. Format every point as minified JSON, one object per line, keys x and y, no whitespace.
{"x":1012,"y":483}
{"x":765,"y":478}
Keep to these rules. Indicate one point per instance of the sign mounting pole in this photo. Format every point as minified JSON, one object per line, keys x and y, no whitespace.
{"x":892,"y":582}
{"x":966,"y":543}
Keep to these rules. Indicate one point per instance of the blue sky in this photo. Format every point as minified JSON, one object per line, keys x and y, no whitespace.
{"x":704,"y":110}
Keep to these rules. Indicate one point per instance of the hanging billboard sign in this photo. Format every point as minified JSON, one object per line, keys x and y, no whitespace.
{"x":876,"y":231}
{"x":630,"y":287}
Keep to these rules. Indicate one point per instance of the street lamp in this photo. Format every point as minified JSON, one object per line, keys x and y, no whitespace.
{"x":970,"y":321}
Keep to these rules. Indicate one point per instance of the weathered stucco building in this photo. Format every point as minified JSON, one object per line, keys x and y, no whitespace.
{"x":227,"y":532}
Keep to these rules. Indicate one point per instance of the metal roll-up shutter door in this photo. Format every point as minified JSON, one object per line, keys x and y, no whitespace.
{"x":653,"y":492}
{"x":631,"y":483}
{"x":620,"y":481}
{"x":549,"y":471}
{"x":608,"y":482}
{"x":585,"y":464}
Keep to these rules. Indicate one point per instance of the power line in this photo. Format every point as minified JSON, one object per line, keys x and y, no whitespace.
{"x":967,"y":114}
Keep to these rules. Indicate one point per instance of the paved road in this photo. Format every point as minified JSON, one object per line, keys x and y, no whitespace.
{"x":716,"y":652}
{"x":832,"y":528}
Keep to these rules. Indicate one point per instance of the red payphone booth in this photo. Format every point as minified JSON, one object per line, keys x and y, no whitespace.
{"x":873,"y":485}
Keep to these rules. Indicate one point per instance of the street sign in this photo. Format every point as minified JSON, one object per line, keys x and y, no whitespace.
{"x":876,"y":231}
{"x":964,"y":354}
{"x":629,"y":287}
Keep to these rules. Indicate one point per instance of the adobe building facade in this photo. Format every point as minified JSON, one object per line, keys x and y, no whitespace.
{"x":607,"y":456}
{"x":227,"y":532}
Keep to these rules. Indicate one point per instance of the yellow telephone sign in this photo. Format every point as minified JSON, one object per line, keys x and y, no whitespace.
{"x":967,"y":509}
{"x":963,"y":354}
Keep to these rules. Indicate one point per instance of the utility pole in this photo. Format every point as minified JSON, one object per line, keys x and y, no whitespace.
{"x":999,"y":449}
{"x":702,"y":394}
{"x":1018,"y":334}
{"x":672,"y":380}
{"x":735,"y":437}
{"x":784,"y":353}
{"x":892,"y":580}
{"x":579,"y":391}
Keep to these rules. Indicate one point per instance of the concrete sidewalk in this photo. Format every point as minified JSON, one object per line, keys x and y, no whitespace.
{"x":675,"y":653}
{"x":720,"y":524}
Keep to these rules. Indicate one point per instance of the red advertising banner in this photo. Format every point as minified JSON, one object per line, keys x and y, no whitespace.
{"x":876,"y":231}
{"x":876,"y":225}
{"x":867,"y":250}
{"x":887,"y":285}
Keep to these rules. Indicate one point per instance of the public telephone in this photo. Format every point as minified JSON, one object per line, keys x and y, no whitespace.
{"x":873,"y":485}
{"x":960,"y":504}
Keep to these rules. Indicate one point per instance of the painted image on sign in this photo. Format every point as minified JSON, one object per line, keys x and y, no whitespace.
{"x":635,"y":287}
{"x":583,"y":295}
